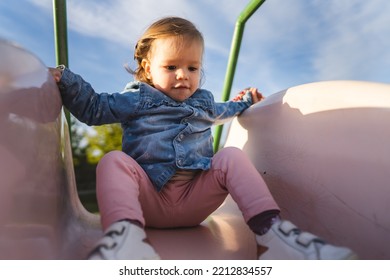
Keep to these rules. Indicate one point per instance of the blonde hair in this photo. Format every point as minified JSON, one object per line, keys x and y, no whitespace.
{"x":163,"y":28}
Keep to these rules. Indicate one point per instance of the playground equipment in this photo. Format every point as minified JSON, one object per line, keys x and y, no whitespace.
{"x":322,"y":149}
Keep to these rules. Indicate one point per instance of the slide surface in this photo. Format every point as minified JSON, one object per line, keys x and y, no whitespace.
{"x":324,"y":150}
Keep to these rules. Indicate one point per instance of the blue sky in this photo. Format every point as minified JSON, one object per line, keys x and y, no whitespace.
{"x":286,"y":43}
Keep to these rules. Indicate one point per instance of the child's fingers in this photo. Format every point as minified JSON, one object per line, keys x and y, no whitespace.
{"x":240,"y":95}
{"x":257,"y":96}
{"x":56,"y":74}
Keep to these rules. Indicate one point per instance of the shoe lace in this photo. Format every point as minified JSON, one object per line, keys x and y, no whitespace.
{"x":108,"y":242}
{"x":302,"y":238}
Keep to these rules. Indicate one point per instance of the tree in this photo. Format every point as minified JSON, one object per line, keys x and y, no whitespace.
{"x":105,"y":139}
{"x":89,"y":144}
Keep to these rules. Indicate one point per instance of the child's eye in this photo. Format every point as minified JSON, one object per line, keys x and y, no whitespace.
{"x":192,"y":69}
{"x":171,"y":67}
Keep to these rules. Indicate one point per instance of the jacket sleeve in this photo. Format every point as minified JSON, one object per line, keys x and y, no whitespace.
{"x":226,"y":111}
{"x":93,"y":108}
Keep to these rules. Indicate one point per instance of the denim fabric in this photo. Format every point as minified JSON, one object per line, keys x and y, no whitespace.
{"x":161,"y":134}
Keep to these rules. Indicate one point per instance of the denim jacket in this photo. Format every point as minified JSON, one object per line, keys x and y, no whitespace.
{"x":161,"y":134}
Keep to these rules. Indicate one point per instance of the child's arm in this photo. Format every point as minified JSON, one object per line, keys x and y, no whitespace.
{"x":227,"y":110}
{"x":90,"y":107}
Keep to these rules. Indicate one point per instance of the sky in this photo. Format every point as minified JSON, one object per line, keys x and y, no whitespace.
{"x":286,"y":43}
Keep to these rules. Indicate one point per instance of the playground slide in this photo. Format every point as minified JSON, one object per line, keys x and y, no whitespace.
{"x":324,"y":150}
{"x":41,"y":216}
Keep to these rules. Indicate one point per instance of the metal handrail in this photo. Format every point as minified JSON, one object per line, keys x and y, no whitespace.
{"x":60,"y":31}
{"x":61,"y":41}
{"x":249,"y":10}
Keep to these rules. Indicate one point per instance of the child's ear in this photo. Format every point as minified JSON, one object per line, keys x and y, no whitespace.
{"x":146,"y":66}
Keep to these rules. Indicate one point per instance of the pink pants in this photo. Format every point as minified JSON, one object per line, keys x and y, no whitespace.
{"x":124,"y":191}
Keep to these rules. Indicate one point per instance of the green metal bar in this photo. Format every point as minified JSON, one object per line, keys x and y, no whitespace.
{"x":61,"y":40}
{"x":249,"y":10}
{"x":60,"y":31}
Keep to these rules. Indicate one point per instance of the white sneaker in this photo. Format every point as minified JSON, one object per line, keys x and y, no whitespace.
{"x":123,"y":241}
{"x":284,"y":241}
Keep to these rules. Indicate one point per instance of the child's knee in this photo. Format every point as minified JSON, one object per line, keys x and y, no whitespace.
{"x":230,"y":153}
{"x":110,"y":159}
{"x":229,"y":157}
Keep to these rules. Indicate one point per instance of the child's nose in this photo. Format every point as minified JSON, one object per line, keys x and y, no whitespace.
{"x":181,"y":74}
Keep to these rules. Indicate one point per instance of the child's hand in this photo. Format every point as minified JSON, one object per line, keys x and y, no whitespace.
{"x":56,"y":73}
{"x":256,"y":95}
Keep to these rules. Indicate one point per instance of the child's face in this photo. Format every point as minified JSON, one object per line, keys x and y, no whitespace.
{"x":175,"y":68}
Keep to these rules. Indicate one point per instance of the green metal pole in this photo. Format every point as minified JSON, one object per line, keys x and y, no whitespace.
{"x":249,"y":10}
{"x":60,"y":32}
{"x":61,"y":40}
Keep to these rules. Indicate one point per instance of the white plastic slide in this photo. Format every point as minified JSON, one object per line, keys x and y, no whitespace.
{"x":324,"y":150}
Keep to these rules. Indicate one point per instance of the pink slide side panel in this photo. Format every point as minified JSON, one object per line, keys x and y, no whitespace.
{"x":323,"y":149}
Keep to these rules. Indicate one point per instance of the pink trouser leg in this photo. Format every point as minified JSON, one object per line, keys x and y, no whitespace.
{"x":233,"y":171}
{"x":118,"y":180}
{"x":125,"y":192}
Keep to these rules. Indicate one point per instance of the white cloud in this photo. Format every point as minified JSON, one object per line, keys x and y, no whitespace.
{"x":292,"y":42}
{"x":122,"y":21}
{"x":357,"y":45}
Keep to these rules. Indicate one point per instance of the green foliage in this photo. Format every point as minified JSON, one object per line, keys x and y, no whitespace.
{"x":107,"y":138}
{"x":88,"y":146}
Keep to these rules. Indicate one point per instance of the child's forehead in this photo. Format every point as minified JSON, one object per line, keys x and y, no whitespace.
{"x":172,"y":47}
{"x":178,"y":43}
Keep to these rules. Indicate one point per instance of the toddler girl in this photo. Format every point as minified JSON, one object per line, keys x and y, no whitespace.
{"x":167,"y":175}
